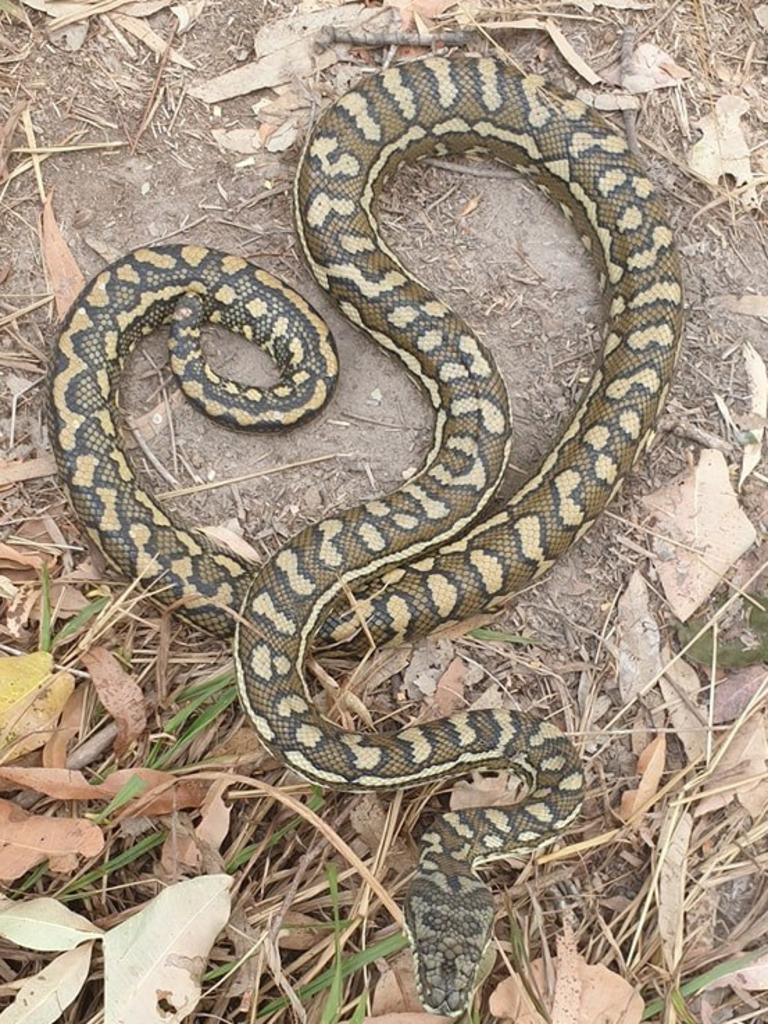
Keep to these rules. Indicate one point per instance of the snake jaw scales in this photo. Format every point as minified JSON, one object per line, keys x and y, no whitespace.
{"x":443,"y":556}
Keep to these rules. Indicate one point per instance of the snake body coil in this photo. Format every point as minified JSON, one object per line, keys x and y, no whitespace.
{"x":432,"y":557}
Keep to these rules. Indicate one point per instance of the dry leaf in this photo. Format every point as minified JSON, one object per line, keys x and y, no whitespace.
{"x":31,"y":701}
{"x":282,"y":138}
{"x":141,"y":31}
{"x":6,"y":135}
{"x":449,"y":692}
{"x":742,"y":772}
{"x":188,"y":13}
{"x":429,"y":661}
{"x":154,"y":961}
{"x":746,"y":305}
{"x":395,"y":991}
{"x":753,"y":978}
{"x":639,"y":641}
{"x":673,"y":847}
{"x":120,"y":694}
{"x":43,"y":998}
{"x":230,"y":535}
{"x":510,"y":1001}
{"x":723,"y":149}
{"x":485,"y":791}
{"x":238,"y":140}
{"x":16,"y":471}
{"x":26,"y":840}
{"x":599,"y":995}
{"x":650,"y":767}
{"x":286,"y":52}
{"x":761,"y":15}
{"x":10,"y":554}
{"x":758,"y":405}
{"x":44,"y":924}
{"x":734,"y":693}
{"x":299,"y":931}
{"x":707,"y":531}
{"x":60,"y":266}
{"x":680,"y":687}
{"x":173,"y":793}
{"x":651,"y":68}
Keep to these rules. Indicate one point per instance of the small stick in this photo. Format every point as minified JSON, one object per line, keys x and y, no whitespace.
{"x":150,"y":107}
{"x":629,"y":116}
{"x":333,"y":34}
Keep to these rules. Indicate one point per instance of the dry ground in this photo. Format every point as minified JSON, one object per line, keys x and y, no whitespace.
{"x":508,"y":263}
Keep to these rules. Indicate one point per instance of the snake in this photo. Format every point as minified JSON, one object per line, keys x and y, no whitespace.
{"x":437,"y":550}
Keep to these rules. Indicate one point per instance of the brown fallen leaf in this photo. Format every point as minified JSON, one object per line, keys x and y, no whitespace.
{"x":70,"y":722}
{"x":449,"y":692}
{"x":701,"y":531}
{"x":723,"y":150}
{"x":27,"y":840}
{"x":120,"y":694}
{"x":428,"y":662}
{"x":638,"y":642}
{"x":734,"y":693}
{"x":650,"y":768}
{"x":173,"y":793}
{"x":60,"y":266}
{"x":299,"y":931}
{"x":395,"y":991}
{"x":12,"y":555}
{"x":141,"y":31}
{"x":589,"y":993}
{"x":742,"y":772}
{"x":238,"y":140}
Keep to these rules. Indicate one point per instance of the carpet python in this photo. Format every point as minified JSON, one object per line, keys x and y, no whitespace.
{"x":432,"y":551}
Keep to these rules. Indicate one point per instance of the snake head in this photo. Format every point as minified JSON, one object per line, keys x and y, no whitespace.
{"x":448,"y":917}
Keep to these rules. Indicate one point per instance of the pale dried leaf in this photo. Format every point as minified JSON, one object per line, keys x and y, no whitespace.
{"x":758,"y":405}
{"x":60,"y":266}
{"x":761,"y":15}
{"x":188,"y":13}
{"x":238,"y":140}
{"x":449,"y":692}
{"x":120,"y":694}
{"x":567,"y":51}
{"x":154,"y":961}
{"x":213,"y":826}
{"x":680,"y":686}
{"x":142,"y":31}
{"x":286,"y":52}
{"x":753,"y":978}
{"x":429,"y":661}
{"x":707,"y":531}
{"x":639,"y":641}
{"x":485,"y":791}
{"x":723,"y":150}
{"x":673,"y":846}
{"x":746,"y":305}
{"x":282,"y":138}
{"x":650,"y":767}
{"x":231,"y":537}
{"x":742,"y":772}
{"x":651,"y":68}
{"x":44,"y":924}
{"x":43,"y":998}
{"x":26,"y":840}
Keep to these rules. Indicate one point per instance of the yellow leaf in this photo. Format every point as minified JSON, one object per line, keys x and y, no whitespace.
{"x":30,"y":702}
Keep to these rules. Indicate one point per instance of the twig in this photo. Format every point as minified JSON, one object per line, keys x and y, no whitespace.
{"x":334,"y":34}
{"x":628,"y":115}
{"x":149,"y":108}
